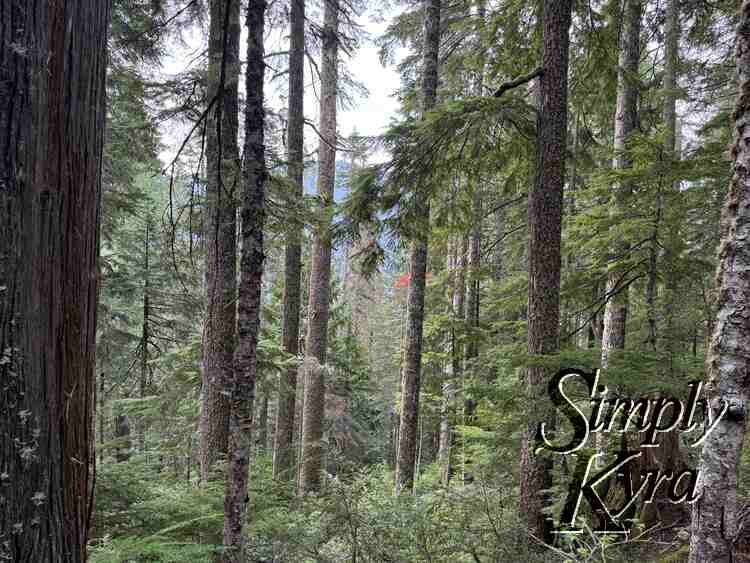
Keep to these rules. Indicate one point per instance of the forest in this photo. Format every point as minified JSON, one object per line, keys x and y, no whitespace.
{"x":374,"y":281}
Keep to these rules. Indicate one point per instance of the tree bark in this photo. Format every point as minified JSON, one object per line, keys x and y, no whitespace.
{"x":669,"y":116}
{"x":317,"y":332}
{"x":242,"y":388}
{"x":53,"y":58}
{"x":715,"y":515}
{"x":223,"y":171}
{"x":626,"y":116}
{"x":412,"y":366}
{"x":545,"y":225}
{"x":283,"y":458}
{"x":457,"y":268}
{"x":475,"y":246}
{"x":145,"y":335}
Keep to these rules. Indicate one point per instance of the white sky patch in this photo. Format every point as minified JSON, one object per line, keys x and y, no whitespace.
{"x":369,"y":116}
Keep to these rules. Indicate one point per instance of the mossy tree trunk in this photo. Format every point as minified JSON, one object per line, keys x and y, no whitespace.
{"x":241,"y":388}
{"x":715,"y":516}
{"x":223,"y":176}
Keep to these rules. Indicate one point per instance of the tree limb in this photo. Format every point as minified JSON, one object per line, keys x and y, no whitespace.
{"x":515,"y":83}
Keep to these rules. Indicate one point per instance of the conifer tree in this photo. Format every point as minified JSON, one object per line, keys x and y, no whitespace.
{"x":242,"y":389}
{"x":223,"y":177}
{"x":52,"y":115}
{"x":316,"y":343}
{"x":715,"y":521}
{"x":412,"y":363}
{"x":545,"y":224}
{"x":283,"y":459}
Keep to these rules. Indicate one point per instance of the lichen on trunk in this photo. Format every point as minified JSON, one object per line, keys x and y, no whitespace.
{"x":715,"y":514}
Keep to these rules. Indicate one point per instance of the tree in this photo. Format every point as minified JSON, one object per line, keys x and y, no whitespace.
{"x":545,"y":224}
{"x":475,"y":244}
{"x":457,"y":270}
{"x":223,"y":171}
{"x":412,"y":363}
{"x":282,"y":455}
{"x":626,"y":119}
{"x":320,"y":275}
{"x":242,"y":389}
{"x":50,"y":172}
{"x":715,"y":514}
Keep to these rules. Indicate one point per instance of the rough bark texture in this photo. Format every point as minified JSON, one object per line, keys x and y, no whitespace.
{"x":626,"y":116}
{"x":715,"y":515}
{"x":242,"y":387}
{"x":545,"y":224}
{"x":223,"y":175}
{"x":52,"y":71}
{"x":412,"y":366}
{"x":283,"y":458}
{"x":317,"y":330}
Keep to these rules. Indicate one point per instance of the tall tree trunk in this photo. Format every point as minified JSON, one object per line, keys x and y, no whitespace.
{"x":715,"y":515}
{"x":223,"y":171}
{"x":145,"y":336}
{"x":545,"y":225}
{"x":669,"y":115}
{"x":457,"y":268}
{"x":412,"y":364}
{"x":626,"y":116}
{"x":53,"y":58}
{"x":667,"y":457}
{"x":283,"y":457}
{"x":475,"y":253}
{"x":252,"y":213}
{"x":317,"y":331}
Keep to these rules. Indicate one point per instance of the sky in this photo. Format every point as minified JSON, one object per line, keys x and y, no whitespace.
{"x":370,"y":115}
{"x":373,"y":114}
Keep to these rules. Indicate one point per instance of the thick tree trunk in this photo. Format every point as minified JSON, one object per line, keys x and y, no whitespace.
{"x":283,"y":458}
{"x":242,"y":388}
{"x":412,"y":365}
{"x":52,"y":69}
{"x":223,"y":176}
{"x":715,"y":515}
{"x":626,"y":116}
{"x":545,"y":225}
{"x":317,"y":331}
